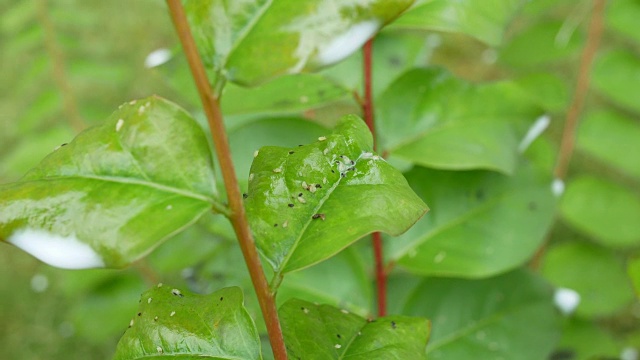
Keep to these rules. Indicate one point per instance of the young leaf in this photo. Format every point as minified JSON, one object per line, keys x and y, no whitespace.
{"x":603,"y":210}
{"x":250,"y":42}
{"x":592,"y":271}
{"x":115,"y":192}
{"x":510,"y":317}
{"x":324,"y":332}
{"x":174,"y":323}
{"x":430,"y":118}
{"x":309,"y":202}
{"x":486,"y":222}
{"x":484,"y":20}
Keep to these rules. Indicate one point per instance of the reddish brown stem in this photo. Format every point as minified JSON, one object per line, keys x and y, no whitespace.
{"x":376,"y":238}
{"x":582,"y":87}
{"x":211,"y":105}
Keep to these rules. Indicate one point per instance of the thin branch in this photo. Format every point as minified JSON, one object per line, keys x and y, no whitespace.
{"x":238,"y":217}
{"x":59,"y":73}
{"x":376,"y":238}
{"x":582,"y":88}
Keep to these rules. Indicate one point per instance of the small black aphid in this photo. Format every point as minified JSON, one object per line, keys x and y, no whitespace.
{"x":245,"y":195}
{"x":290,"y":152}
{"x":318,"y":216}
{"x":275,"y":225}
{"x":221,"y":298}
{"x":64,"y":144}
{"x":342,"y":156}
{"x":333,"y":171}
{"x":300,"y":145}
{"x":343,"y":174}
{"x":300,"y":194}
{"x":139,"y":314}
{"x":352,"y":162}
{"x":393,"y":324}
{"x":339,"y":337}
{"x":319,"y":186}
{"x":291,"y":205}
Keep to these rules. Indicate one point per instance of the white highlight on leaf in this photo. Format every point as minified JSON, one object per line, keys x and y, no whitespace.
{"x":348,"y":42}
{"x":157,"y":57}
{"x":538,"y":127}
{"x":439,"y":257}
{"x":557,"y":187}
{"x":65,"y":252}
{"x":39,"y":283}
{"x":119,"y":124}
{"x":567,"y":300}
{"x":629,"y":353}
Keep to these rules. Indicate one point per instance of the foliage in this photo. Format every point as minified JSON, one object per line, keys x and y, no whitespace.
{"x":462,"y":93}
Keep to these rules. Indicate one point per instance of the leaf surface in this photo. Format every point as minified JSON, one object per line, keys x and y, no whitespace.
{"x":324,"y":332}
{"x":430,"y":118}
{"x":174,"y":323}
{"x":307,"y":203}
{"x":615,"y":74}
{"x":115,"y":192}
{"x":593,"y":272}
{"x":486,"y":222}
{"x":484,"y":20}
{"x":605,"y":211}
{"x":509,"y":316}
{"x":249,"y":42}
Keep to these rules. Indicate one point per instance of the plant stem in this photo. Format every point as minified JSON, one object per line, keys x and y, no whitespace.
{"x":376,"y":237}
{"x":567,"y":143}
{"x":582,"y":87}
{"x":238,"y":218}
{"x":59,"y":74}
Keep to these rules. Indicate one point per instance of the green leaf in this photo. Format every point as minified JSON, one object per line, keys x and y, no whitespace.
{"x":432,"y":119}
{"x":115,"y":192}
{"x":585,"y":340}
{"x":249,"y":42}
{"x":611,"y":137}
{"x":307,"y":203}
{"x":324,"y":332}
{"x":605,"y":211}
{"x":542,"y":44}
{"x":486,"y":222}
{"x":622,"y":16}
{"x":484,"y":20}
{"x":633,"y":270}
{"x":341,"y":281}
{"x":510,"y":317}
{"x":174,"y":323}
{"x":592,"y":271}
{"x":614,"y":75}
{"x":286,"y":94}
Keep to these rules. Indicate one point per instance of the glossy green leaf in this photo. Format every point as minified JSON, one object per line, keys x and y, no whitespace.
{"x":592,"y":271}
{"x":510,"y":317}
{"x":432,"y":119}
{"x":341,"y":281}
{"x":249,"y":42}
{"x":324,"y":332}
{"x":286,"y":94}
{"x":605,"y":211}
{"x":546,"y":90}
{"x":486,"y":222}
{"x":613,"y":138}
{"x":250,"y":136}
{"x":614,"y":75}
{"x":309,"y":202}
{"x":174,"y":323}
{"x":115,"y":192}
{"x":485,"y":20}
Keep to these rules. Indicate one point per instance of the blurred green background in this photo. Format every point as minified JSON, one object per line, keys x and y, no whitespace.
{"x":66,"y":65}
